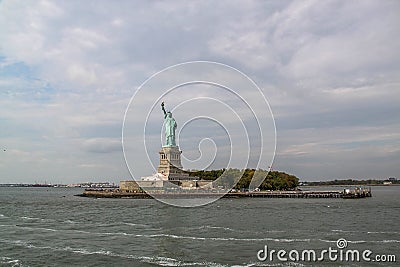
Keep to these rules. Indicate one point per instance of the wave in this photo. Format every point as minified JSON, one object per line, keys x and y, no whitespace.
{"x":344,"y":231}
{"x":387,"y":241}
{"x":44,"y":229}
{"x":148,"y":227}
{"x":213,"y":227}
{"x":135,"y":224}
{"x":233,"y":230}
{"x":227,"y":238}
{"x":37,"y":228}
{"x":29,"y":218}
{"x":158,"y":260}
{"x":286,"y":240}
{"x":167,"y":261}
{"x":5,"y":261}
{"x":372,"y":232}
{"x":108,"y":224}
{"x":349,"y":241}
{"x":283,"y":240}
{"x":227,"y":229}
{"x":363,"y":241}
{"x":132,"y":224}
{"x":383,"y":233}
{"x":69,"y":221}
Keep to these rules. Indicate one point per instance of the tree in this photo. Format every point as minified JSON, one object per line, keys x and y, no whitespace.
{"x":273,"y":180}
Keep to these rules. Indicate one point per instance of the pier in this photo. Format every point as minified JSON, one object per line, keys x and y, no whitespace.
{"x":346,"y":193}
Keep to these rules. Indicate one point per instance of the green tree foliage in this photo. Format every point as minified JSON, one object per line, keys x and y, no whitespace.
{"x":273,"y":180}
{"x":279,"y":181}
{"x":207,"y":175}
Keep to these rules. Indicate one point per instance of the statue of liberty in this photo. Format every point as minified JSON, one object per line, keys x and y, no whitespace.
{"x":170,"y":126}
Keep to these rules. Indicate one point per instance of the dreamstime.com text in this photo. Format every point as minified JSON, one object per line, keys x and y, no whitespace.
{"x":336,"y":254}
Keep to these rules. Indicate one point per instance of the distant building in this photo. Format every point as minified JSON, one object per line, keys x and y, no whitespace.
{"x":129,"y":186}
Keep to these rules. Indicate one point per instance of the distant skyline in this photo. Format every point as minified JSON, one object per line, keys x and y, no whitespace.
{"x":329,"y":69}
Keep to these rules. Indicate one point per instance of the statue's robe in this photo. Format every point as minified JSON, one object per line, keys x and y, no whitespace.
{"x":170,"y":126}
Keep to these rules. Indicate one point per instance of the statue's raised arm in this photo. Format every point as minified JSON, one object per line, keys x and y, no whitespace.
{"x":163,"y":109}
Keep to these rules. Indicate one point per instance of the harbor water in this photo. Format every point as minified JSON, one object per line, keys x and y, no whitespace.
{"x":53,"y":227}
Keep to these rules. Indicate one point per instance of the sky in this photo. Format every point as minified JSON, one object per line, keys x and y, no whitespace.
{"x":330,"y":71}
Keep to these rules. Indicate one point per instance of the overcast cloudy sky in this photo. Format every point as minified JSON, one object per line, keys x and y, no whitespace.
{"x":329,"y":69}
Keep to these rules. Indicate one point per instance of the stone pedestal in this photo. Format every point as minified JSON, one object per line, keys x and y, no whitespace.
{"x":170,"y":164}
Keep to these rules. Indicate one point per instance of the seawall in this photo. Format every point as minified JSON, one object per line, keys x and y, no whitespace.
{"x":261,"y":194}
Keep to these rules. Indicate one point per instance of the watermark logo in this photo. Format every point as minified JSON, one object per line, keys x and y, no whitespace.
{"x":198,"y":116}
{"x":341,"y":243}
{"x":340,"y":253}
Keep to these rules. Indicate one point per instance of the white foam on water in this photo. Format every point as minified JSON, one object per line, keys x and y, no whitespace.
{"x":29,"y":218}
{"x":363,"y":241}
{"x":135,"y":224}
{"x":286,"y":240}
{"x":7,"y":261}
{"x":48,"y":229}
{"x":357,"y":241}
{"x":38,"y":228}
{"x":26,"y":218}
{"x":20,"y":243}
{"x":211,"y":227}
{"x":349,"y":241}
{"x":166,"y":261}
{"x":162,"y":261}
{"x":116,"y":233}
{"x":372,"y":232}
{"x":344,"y":231}
{"x":78,"y":231}
{"x":158,"y":260}
{"x":383,"y":233}
{"x":219,"y":227}
{"x":173,"y":236}
{"x":236,"y":230}
{"x":387,"y":241}
{"x":12,"y":241}
{"x":88,"y":252}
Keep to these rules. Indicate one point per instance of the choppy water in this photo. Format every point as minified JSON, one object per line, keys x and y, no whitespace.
{"x":52,"y":227}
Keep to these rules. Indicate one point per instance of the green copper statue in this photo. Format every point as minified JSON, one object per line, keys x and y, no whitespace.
{"x":170,"y":126}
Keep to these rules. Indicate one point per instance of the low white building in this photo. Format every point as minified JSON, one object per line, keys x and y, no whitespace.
{"x":155,"y":177}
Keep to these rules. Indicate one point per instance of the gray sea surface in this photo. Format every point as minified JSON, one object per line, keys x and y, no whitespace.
{"x":52,"y":227}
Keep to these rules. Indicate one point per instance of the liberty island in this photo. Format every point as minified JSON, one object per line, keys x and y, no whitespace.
{"x":171,"y":180}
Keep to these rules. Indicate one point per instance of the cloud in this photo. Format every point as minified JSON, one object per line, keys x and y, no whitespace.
{"x":102,"y":145}
{"x":330,"y":71}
